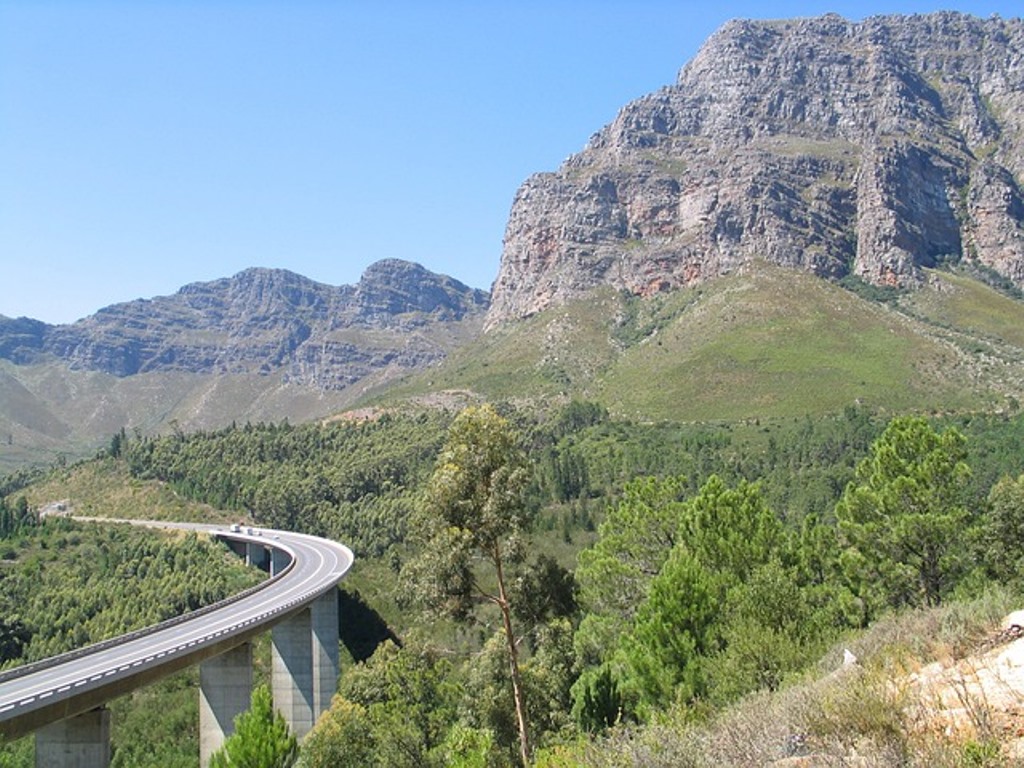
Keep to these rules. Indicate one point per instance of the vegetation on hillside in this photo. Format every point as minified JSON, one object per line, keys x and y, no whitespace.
{"x":765,"y":343}
{"x":351,"y":481}
{"x":65,"y":584}
{"x":672,"y":569}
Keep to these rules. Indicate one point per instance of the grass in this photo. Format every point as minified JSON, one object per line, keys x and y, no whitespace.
{"x":767,"y":343}
{"x":794,"y":145}
{"x":550,"y":355}
{"x":779,"y":344}
{"x":105,"y":489}
{"x":972,"y":307}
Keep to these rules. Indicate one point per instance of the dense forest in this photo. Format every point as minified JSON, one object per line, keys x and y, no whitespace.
{"x":631,"y":572}
{"x":65,"y":584}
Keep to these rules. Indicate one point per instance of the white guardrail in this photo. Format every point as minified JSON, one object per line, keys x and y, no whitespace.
{"x":62,"y":686}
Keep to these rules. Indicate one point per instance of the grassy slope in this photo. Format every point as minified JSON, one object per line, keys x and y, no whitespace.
{"x":768,"y":342}
{"x":103,"y":488}
{"x":762,"y":344}
{"x":545,"y":356}
{"x":958,"y":302}
{"x":46,"y":409}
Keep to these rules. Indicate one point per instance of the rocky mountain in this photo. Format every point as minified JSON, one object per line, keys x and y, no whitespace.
{"x":264,"y":321}
{"x":784,"y":152}
{"x":874,"y":149}
{"x":264,"y":345}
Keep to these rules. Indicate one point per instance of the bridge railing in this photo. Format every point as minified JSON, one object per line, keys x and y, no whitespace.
{"x":53,"y":661}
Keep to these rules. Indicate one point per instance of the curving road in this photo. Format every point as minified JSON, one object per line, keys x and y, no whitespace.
{"x":63,"y":686}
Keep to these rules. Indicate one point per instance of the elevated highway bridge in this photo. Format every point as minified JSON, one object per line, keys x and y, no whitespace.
{"x":62,"y":698}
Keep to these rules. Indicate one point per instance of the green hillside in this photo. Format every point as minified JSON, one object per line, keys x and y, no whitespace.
{"x":761,"y":344}
{"x":603,"y":494}
{"x":47,"y":409}
{"x":768,"y":342}
{"x":958,"y":302}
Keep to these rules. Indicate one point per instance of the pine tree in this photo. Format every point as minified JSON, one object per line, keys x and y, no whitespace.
{"x":261,"y":739}
{"x":903,"y":516}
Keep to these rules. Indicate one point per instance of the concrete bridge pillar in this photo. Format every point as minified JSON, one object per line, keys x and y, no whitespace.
{"x":225,"y":691}
{"x":256,"y":555}
{"x":78,"y":742}
{"x":291,"y":657}
{"x":324,"y":620}
{"x":279,"y":560}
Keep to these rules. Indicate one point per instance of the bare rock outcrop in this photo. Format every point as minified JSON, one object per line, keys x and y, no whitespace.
{"x":265,"y":321}
{"x":873,"y":148}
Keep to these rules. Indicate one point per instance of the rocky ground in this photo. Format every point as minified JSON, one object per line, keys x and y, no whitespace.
{"x":981,"y":696}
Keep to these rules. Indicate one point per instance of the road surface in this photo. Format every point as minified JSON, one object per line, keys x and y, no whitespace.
{"x":67,"y":685}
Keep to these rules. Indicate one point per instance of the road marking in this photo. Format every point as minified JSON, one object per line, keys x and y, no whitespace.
{"x":308,"y":565}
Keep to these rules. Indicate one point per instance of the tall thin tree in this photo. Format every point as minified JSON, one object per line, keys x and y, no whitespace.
{"x":474,"y":509}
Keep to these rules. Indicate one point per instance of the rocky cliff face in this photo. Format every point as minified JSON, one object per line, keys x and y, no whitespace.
{"x":265,"y":321}
{"x":873,"y":148}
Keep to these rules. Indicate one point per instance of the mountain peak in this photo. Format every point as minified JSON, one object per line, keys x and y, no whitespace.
{"x":394,"y":286}
{"x":259,"y":321}
{"x":873,"y":149}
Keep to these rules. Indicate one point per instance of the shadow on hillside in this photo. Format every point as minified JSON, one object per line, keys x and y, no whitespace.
{"x":360,"y":627}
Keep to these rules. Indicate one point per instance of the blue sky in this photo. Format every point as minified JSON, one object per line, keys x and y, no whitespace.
{"x":145,"y":144}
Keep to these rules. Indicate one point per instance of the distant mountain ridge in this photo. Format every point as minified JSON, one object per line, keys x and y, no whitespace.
{"x":874,"y":149}
{"x":262,"y":321}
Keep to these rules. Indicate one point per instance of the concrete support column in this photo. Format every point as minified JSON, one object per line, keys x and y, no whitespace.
{"x":225,"y":691}
{"x":279,"y":560}
{"x":78,"y":742}
{"x":257,"y":555}
{"x":324,"y":620}
{"x":291,"y":656}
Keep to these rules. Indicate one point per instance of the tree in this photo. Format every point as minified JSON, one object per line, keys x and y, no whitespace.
{"x":396,"y":709}
{"x":616,"y":572}
{"x":14,"y":636}
{"x":409,"y":703}
{"x":902,"y":516}
{"x":474,"y":508}
{"x":261,"y":738}
{"x":597,"y":703}
{"x":341,"y":738}
{"x":544,"y":591}
{"x":672,"y":584}
{"x":1003,"y":532}
{"x":724,"y":536}
{"x":730,"y":531}
{"x":671,"y":632}
{"x":767,"y":630}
